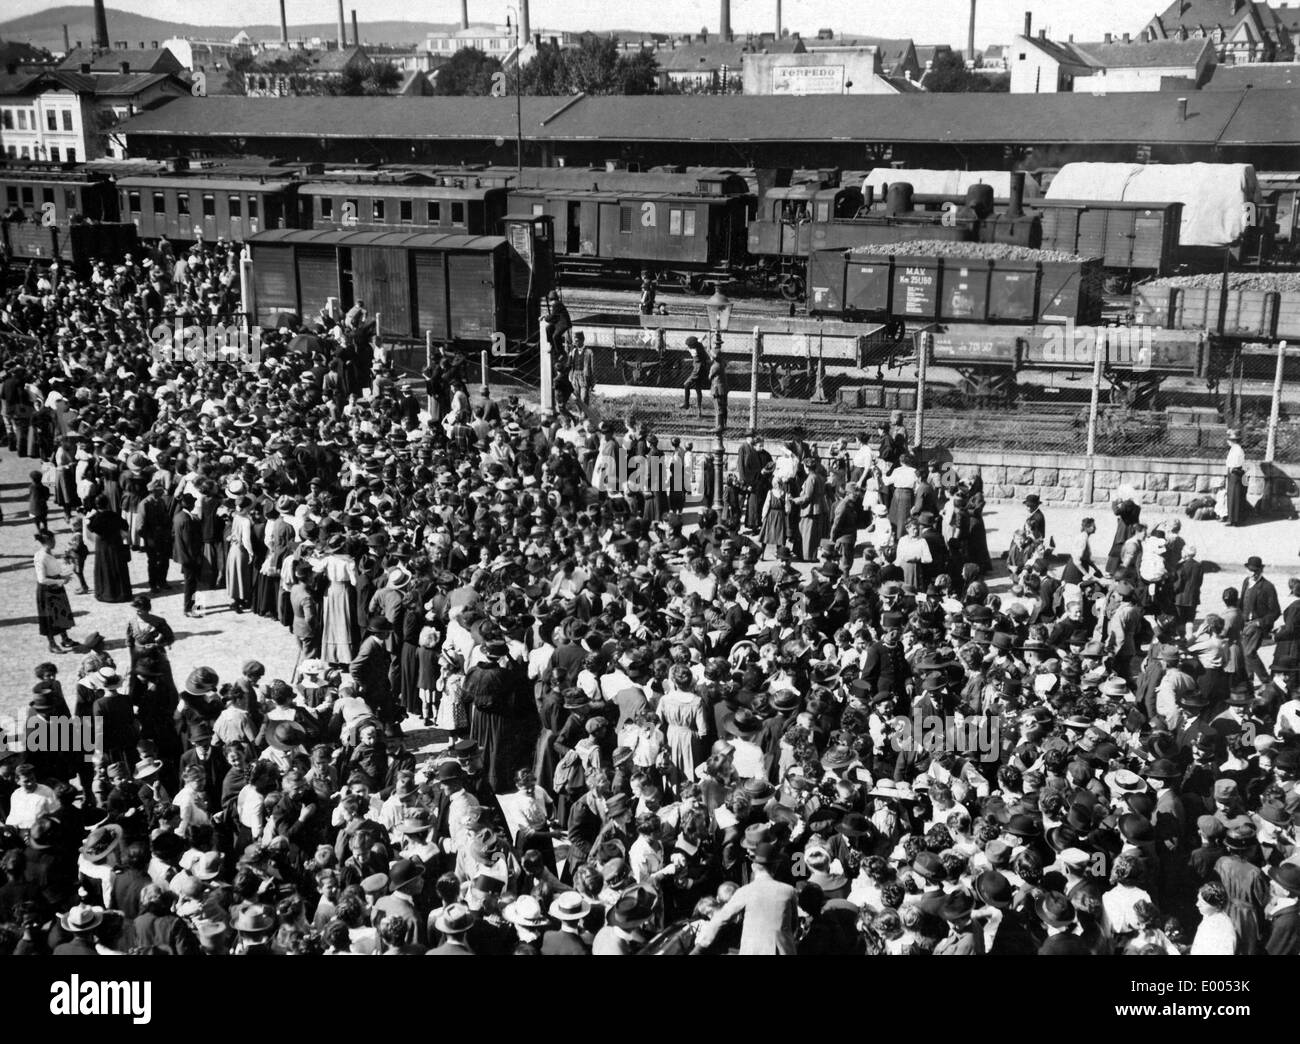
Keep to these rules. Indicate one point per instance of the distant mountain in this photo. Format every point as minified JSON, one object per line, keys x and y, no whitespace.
{"x":45,"y":29}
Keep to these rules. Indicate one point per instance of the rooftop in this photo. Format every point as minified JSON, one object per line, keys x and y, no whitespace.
{"x":149,"y":60}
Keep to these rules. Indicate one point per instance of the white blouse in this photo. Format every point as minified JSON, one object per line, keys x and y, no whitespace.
{"x":50,"y":570}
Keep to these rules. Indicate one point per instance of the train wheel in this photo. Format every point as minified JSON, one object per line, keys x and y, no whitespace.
{"x":791,"y":287}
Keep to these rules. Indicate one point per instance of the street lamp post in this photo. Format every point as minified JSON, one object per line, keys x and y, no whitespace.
{"x":719,"y":309}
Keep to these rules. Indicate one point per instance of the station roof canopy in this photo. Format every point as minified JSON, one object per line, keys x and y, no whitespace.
{"x":1258,"y":117}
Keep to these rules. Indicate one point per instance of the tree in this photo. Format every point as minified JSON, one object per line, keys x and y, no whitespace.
{"x":547,"y":73}
{"x":948,"y":75}
{"x":380,"y":78}
{"x":638,"y":73}
{"x":595,"y":66}
{"x":468,"y":72}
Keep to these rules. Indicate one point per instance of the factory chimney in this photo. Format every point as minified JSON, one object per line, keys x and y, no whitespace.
{"x":1029,"y":25}
{"x":67,"y":40}
{"x":778,"y":21}
{"x":101,"y":26}
{"x":970,"y":37}
{"x":724,"y":21}
{"x":284,"y":26}
{"x":356,"y":36}
{"x":525,"y":24}
{"x":464,"y":14}
{"x":343,"y":36}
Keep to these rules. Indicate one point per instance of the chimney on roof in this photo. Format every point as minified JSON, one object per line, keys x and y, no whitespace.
{"x":464,"y":14}
{"x":1127,"y":38}
{"x":1182,"y":110}
{"x":724,"y":21}
{"x":778,"y":19}
{"x":1042,"y":34}
{"x":970,"y":35}
{"x":1029,"y":24}
{"x":101,"y":25}
{"x":284,"y":25}
{"x":356,"y":36}
{"x":67,"y":44}
{"x":343,"y":33}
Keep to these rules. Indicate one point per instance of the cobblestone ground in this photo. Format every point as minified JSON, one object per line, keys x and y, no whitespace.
{"x":223,"y":640}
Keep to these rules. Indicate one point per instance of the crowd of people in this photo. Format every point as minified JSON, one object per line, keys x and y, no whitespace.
{"x":800,"y":724}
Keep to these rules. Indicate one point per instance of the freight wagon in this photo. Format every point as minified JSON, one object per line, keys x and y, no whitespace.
{"x":460,"y":290}
{"x":78,"y":244}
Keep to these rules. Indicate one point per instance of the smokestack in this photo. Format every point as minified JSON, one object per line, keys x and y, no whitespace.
{"x":1029,"y":24}
{"x":356,"y":36}
{"x":101,"y":25}
{"x":1016,"y":205}
{"x":464,"y":14}
{"x":525,"y":24}
{"x":970,"y":36}
{"x":284,"y":25}
{"x":724,"y":21}
{"x":778,"y":21}
{"x":343,"y":36}
{"x":1182,"y":109}
{"x":67,"y":41}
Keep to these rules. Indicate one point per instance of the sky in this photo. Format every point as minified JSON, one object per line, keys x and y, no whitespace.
{"x":925,"y":21}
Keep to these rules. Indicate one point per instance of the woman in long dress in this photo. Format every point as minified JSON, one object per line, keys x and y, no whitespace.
{"x":682,"y":712}
{"x":1127,"y":516}
{"x":339,"y":611}
{"x":409,"y":625}
{"x":1286,"y":653}
{"x":239,"y":559}
{"x":53,"y":610}
{"x":65,"y":485}
{"x":1235,"y":480}
{"x":913,"y":555}
{"x":902,"y":480}
{"x":814,"y":512}
{"x":278,"y":538}
{"x":112,"y":572}
{"x":774,"y":531}
{"x":977,"y":540}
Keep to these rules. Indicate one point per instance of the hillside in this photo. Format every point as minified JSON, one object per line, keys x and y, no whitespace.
{"x":45,"y":29}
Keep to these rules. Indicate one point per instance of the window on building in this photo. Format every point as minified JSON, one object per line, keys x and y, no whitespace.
{"x":433,"y":212}
{"x":133,"y":202}
{"x":377,"y":210}
{"x":72,"y":155}
{"x":458,"y":213}
{"x":11,"y":193}
{"x":27,"y":153}
{"x":674,"y":222}
{"x":70,"y":199}
{"x":55,"y":155}
{"x":12,"y":151}
{"x":47,"y":195}
{"x":7,"y":119}
{"x":209,"y":205}
{"x":625,"y":216}
{"x":405,"y":211}
{"x":159,"y":203}
{"x":236,"y":204}
{"x":22,"y":121}
{"x":183,"y":203}
{"x":326,"y":208}
{"x":67,"y":119}
{"x":51,"y":119}
{"x":252,"y":208}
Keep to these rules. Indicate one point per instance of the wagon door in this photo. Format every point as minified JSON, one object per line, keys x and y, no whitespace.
{"x":471,"y":287}
{"x":1120,"y":237}
{"x":380,"y":278}
{"x":432,"y":314}
{"x":1148,"y":240}
{"x":588,"y":227}
{"x":318,"y":278}
{"x":273,"y":282}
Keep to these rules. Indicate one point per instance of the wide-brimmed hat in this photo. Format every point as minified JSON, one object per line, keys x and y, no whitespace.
{"x":633,"y":909}
{"x":1054,"y":910}
{"x":147,"y":768}
{"x":744,"y":723}
{"x":207,"y":866}
{"x":526,"y":912}
{"x":404,"y":872}
{"x":254,"y":920}
{"x":570,"y":906}
{"x":286,"y":735}
{"x":82,"y":918}
{"x":1124,"y":781}
{"x":1287,"y":877}
{"x":102,"y":842}
{"x":992,"y":888}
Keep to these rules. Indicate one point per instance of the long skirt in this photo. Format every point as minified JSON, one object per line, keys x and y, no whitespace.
{"x":409,"y":675}
{"x":774,"y":532}
{"x":1236,"y":489}
{"x":239,"y":574}
{"x":266,"y":595}
{"x":339,"y":624}
{"x":112,"y":573}
{"x":813,"y":529}
{"x":53,"y":610}
{"x":492,"y":733}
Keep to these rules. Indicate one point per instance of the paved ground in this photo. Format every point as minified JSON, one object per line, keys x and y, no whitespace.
{"x":224,"y":640}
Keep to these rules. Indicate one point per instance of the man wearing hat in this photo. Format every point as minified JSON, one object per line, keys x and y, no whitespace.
{"x":187,"y":549}
{"x":697,"y":378}
{"x":156,"y":533}
{"x":1246,"y":884}
{"x":570,"y":909}
{"x":1259,"y":612}
{"x":770,"y":907}
{"x":405,"y":883}
{"x":1284,"y":911}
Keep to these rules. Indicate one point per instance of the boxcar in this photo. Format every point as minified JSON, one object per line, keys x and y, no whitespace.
{"x":459,"y":289}
{"x":77,"y":244}
{"x":1128,"y":237}
{"x":188,"y":208}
